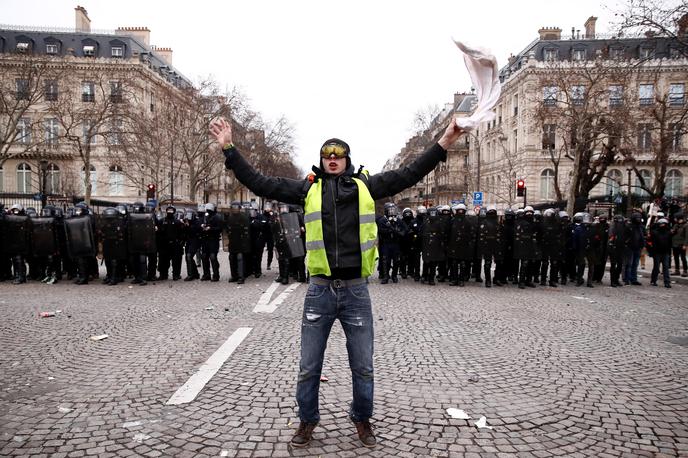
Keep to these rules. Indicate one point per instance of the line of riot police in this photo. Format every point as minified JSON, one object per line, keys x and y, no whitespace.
{"x":525,"y":247}
{"x":134,"y":241}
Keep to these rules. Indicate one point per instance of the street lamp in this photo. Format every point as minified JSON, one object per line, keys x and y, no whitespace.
{"x":43,"y":166}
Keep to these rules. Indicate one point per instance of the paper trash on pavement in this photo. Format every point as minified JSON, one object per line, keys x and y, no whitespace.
{"x":100,"y":337}
{"x":482,"y":423}
{"x":458,"y":414}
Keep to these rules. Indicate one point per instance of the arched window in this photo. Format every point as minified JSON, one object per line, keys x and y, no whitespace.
{"x":52,"y":179}
{"x":674,"y":183}
{"x":647,"y":177}
{"x":547,"y":184}
{"x":93,"y":178}
{"x":23,"y":178}
{"x":2,"y":176}
{"x":116,"y":180}
{"x":614,"y":180}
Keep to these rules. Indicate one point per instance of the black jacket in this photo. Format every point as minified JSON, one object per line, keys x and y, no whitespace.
{"x":339,"y":200}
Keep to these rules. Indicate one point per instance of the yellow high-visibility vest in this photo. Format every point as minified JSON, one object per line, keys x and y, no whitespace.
{"x":367,"y":230}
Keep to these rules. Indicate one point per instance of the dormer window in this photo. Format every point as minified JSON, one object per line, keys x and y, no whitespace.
{"x":616,"y":53}
{"x":646,"y":53}
{"x":89,"y":51}
{"x":551,"y":54}
{"x":23,"y":47}
{"x":51,"y":49}
{"x":578,"y":55}
{"x":117,"y":51}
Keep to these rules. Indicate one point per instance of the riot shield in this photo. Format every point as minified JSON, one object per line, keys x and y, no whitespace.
{"x":16,"y":234}
{"x":43,"y":236}
{"x":114,"y":236}
{"x":237,"y":227}
{"x":292,"y":234}
{"x":141,"y":231}
{"x":80,"y":240}
{"x":434,"y":240}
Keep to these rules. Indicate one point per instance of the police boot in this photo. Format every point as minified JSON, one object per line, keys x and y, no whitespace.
{"x":19,"y":270}
{"x":522,"y":275}
{"x":488,"y":276}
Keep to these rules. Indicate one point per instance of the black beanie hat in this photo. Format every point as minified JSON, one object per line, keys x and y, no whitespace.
{"x":339,"y":142}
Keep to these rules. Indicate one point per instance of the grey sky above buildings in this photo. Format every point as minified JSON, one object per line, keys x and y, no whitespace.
{"x":357,"y":70}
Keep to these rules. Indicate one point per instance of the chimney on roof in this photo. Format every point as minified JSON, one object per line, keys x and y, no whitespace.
{"x":140,"y":33}
{"x":164,"y":53}
{"x":550,"y":33}
{"x":682,"y":26}
{"x":590,"y":27}
{"x":82,"y":22}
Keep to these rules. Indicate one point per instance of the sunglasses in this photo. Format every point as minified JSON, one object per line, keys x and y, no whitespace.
{"x":338,"y":150}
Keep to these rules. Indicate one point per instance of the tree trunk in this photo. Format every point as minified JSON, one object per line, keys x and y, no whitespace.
{"x":573,"y":185}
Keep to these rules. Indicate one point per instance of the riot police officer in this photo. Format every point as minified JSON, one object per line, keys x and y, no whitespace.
{"x":460,"y":246}
{"x":259,"y":229}
{"x":211,"y":229}
{"x":46,"y":248}
{"x":237,"y":238}
{"x":141,"y":242}
{"x":113,"y":234}
{"x":81,"y":243}
{"x":170,"y":244}
{"x":192,"y":231}
{"x":434,"y":241}
{"x":525,"y":247}
{"x":603,"y":232}
{"x":504,"y":269}
{"x":552,"y":248}
{"x":17,"y":230}
{"x":618,"y":238}
{"x":391,"y":231}
{"x":490,"y":243}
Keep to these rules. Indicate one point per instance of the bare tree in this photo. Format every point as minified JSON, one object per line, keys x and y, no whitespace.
{"x":28,"y":80}
{"x":425,"y":118}
{"x":667,"y":18}
{"x":86,"y":110}
{"x":657,"y":136}
{"x":582,"y":113}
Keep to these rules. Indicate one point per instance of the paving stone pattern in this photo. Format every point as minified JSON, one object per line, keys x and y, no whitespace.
{"x":557,"y":372}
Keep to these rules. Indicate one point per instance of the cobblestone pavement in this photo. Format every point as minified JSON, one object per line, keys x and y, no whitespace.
{"x":556,"y":371}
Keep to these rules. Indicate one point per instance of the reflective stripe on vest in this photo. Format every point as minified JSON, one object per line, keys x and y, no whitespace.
{"x":367,"y":230}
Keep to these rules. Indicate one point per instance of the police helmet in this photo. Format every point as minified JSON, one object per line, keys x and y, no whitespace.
{"x":210,"y":207}
{"x":407,"y":213}
{"x":110,"y":212}
{"x":17,"y":208}
{"x":421,"y":210}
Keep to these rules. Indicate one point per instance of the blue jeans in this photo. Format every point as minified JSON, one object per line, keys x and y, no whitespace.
{"x":350,"y":303}
{"x":632,"y":261}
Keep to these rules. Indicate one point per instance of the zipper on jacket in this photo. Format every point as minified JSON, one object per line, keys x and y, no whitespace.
{"x":336,"y":225}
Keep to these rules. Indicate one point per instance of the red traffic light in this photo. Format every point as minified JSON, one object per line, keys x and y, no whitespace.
{"x":150,"y":191}
{"x":520,"y":188}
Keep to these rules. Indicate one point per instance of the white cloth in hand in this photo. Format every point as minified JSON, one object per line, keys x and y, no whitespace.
{"x":482,"y":66}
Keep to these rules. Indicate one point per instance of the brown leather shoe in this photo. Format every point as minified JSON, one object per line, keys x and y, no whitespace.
{"x":365,"y":433}
{"x":303,"y":435}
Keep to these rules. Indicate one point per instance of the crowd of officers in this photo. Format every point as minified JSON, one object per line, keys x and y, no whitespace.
{"x":133,"y":241}
{"x":527,"y":247}
{"x":438,"y":244}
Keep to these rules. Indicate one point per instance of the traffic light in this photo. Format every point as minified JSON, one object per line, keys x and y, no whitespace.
{"x":150,"y":191}
{"x":520,"y":188}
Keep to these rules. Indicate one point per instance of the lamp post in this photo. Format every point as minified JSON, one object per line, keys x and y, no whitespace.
{"x":629,"y":205}
{"x":172,"y":173}
{"x":43,"y":166}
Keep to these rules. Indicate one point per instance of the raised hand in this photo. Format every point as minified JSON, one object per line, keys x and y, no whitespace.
{"x":451,"y":134}
{"x":221,"y":131}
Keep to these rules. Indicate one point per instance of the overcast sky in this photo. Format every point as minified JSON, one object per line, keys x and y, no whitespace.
{"x":357,"y":70}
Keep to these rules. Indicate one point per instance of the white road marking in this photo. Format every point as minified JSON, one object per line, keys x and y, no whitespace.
{"x":197,"y":381}
{"x":265,"y":298}
{"x":272,"y":306}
